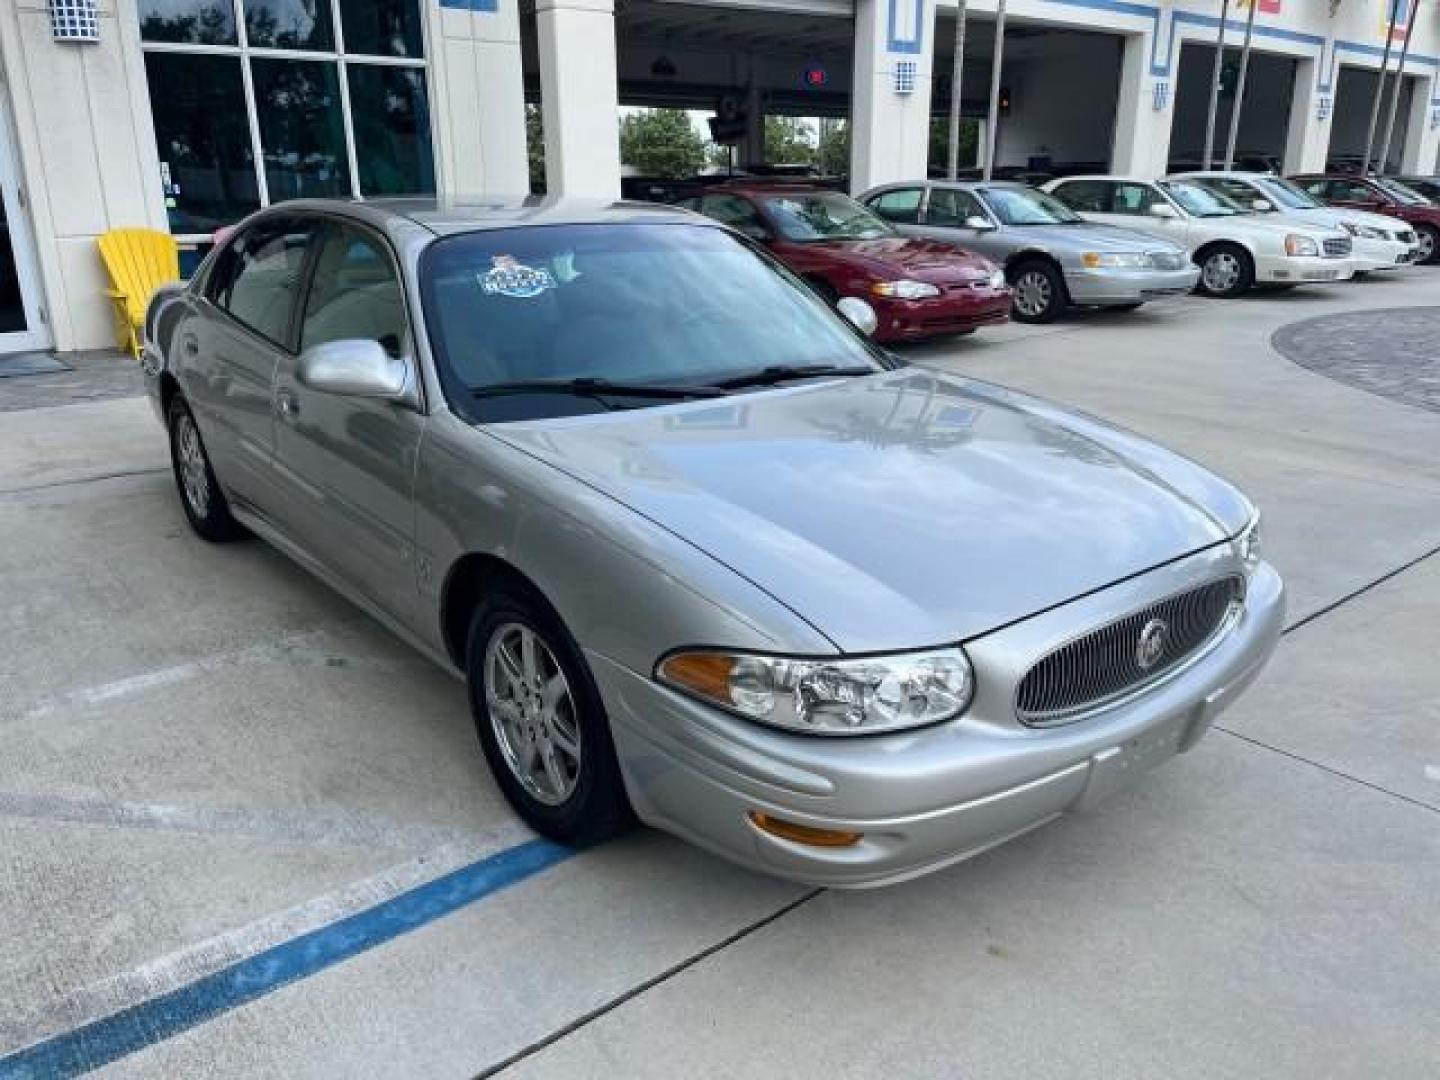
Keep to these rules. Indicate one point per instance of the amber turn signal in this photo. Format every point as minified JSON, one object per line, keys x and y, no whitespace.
{"x":804,"y":834}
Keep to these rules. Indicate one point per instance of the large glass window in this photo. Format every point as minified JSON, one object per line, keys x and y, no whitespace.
{"x":241,"y":121}
{"x":206,"y":157}
{"x":392,"y":129}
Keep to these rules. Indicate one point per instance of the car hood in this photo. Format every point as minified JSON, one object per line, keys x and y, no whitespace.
{"x":1364,"y":217}
{"x":903,"y":509}
{"x":1087,"y":236}
{"x":923,"y":260}
{"x":1276,"y":225}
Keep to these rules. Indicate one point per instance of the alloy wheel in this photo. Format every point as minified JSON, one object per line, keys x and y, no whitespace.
{"x":1221,"y":272}
{"x":1426,"y":240}
{"x":1033,"y":294}
{"x":194,"y":476}
{"x":532,"y":712}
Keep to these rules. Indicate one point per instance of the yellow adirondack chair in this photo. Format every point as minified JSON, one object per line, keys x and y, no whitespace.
{"x":138,"y":261}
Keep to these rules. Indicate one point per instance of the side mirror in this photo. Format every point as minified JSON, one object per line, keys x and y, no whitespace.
{"x":1261,"y":205}
{"x":355,"y":367}
{"x":1162,"y":210}
{"x":979,"y":224}
{"x":860,"y":314}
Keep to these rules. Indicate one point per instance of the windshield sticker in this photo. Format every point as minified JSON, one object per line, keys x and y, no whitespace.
{"x":509,"y":278}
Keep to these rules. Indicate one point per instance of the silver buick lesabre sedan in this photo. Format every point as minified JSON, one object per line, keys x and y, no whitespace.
{"x":1052,"y":256}
{"x":706,"y":555}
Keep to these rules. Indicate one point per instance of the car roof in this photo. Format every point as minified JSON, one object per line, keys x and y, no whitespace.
{"x":446,"y":215}
{"x":1105,"y":176}
{"x":764,"y":185}
{"x":1221,"y":174}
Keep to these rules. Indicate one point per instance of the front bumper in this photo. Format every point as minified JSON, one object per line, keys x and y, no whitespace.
{"x":960,"y":308}
{"x":1371,"y":255}
{"x":1102,"y":287}
{"x":931,"y":797}
{"x":1302,"y":270}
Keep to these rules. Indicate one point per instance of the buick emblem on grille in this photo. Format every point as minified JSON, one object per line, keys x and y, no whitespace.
{"x":1151,"y":644}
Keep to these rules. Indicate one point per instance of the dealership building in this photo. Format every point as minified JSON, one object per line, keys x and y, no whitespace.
{"x":185,"y":115}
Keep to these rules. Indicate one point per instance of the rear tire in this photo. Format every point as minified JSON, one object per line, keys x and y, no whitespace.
{"x":1040,"y":294}
{"x":200,"y":495}
{"x":1226,"y":271}
{"x":541,"y":721}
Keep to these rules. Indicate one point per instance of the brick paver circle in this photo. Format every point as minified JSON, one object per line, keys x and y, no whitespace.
{"x":1394,"y":352}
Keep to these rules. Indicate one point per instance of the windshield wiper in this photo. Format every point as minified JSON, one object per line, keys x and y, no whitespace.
{"x":598,"y":388}
{"x":777,"y":373}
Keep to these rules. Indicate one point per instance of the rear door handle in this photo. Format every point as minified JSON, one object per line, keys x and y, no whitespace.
{"x":286,"y":405}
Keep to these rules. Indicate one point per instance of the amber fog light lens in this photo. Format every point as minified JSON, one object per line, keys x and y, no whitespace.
{"x":804,"y":834}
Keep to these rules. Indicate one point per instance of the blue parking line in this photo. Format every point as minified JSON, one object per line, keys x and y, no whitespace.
{"x":112,"y":1037}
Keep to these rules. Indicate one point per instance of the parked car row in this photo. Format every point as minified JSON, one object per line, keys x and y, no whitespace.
{"x":947,"y":256}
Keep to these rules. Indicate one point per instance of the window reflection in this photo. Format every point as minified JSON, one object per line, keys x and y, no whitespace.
{"x":199,"y":22}
{"x":202,"y":139}
{"x":298,"y":105}
{"x":391,"y":117}
{"x":288,"y":24}
{"x":382,"y":27}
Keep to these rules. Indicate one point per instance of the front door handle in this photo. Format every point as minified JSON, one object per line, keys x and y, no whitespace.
{"x":286,"y":405}
{"x":191,"y":346}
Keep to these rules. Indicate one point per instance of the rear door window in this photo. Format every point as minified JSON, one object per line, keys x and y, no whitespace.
{"x":901,"y":205}
{"x":258,"y":279}
{"x":1086,"y":196}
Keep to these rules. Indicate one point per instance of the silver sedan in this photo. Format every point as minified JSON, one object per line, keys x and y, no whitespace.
{"x":1052,"y":256}
{"x":704,"y":554}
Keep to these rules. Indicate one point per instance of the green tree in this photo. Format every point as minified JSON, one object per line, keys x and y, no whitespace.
{"x":833,"y":153}
{"x":940,"y":138}
{"x":661,"y":142}
{"x":788,"y":141}
{"x":535,"y":147}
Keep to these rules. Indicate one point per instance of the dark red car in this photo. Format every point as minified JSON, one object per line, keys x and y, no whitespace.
{"x":918,"y":288}
{"x":1380,"y":195}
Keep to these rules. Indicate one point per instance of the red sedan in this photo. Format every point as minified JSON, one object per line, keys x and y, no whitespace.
{"x":918,"y":288}
{"x":1381,"y":195}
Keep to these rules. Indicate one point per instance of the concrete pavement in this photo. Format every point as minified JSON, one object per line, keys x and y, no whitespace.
{"x":207,"y":751}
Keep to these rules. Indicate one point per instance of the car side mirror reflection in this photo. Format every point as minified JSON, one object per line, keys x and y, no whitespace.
{"x":859,"y":314}
{"x":1162,"y":210}
{"x":978,"y":223}
{"x":355,"y":367}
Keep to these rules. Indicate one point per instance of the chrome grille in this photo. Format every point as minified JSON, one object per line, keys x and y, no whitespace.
{"x":1106,"y":663}
{"x":1405,"y":236}
{"x":1337,"y":247}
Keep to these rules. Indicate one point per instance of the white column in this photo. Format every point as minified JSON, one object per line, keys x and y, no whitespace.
{"x":580,"y":96}
{"x":1422,"y":137}
{"x":890,"y":136}
{"x":478,"y":100}
{"x":1142,"y":132}
{"x":1307,"y":143}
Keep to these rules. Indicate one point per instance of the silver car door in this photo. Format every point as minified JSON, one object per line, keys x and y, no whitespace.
{"x":229,"y":349}
{"x":349,"y":462}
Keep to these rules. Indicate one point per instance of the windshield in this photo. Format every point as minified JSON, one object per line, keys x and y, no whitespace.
{"x":1288,"y":195}
{"x":822,"y":215}
{"x":1199,"y":200}
{"x":680,"y":305}
{"x":1396,"y":190}
{"x":1025,"y":206}
{"x":1237,"y":191}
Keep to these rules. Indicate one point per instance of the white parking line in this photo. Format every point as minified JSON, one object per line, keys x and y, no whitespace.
{"x":111,"y":995}
{"x":353,"y":832}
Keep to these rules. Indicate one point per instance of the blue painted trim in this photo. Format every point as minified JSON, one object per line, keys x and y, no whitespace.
{"x":113,"y":1037}
{"x":471,"y":5}
{"x":912,"y":46}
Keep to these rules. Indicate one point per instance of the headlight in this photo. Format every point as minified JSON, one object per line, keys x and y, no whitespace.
{"x":905,"y":289}
{"x":1127,"y":260}
{"x":828,"y":696}
{"x":997,"y":279}
{"x":1247,"y":544}
{"x":1352,"y":228}
{"x":1300,"y":245}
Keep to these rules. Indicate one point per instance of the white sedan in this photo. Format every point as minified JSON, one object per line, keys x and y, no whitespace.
{"x":1381,"y":243}
{"x":1234,"y":247}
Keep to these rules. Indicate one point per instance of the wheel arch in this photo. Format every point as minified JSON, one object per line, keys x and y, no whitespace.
{"x":470,"y":578}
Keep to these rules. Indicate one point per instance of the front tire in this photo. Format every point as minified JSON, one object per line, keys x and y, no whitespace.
{"x":1429,"y":241}
{"x":1226,"y":271}
{"x":541,"y":722}
{"x":200,"y":495}
{"x":1040,"y":294}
